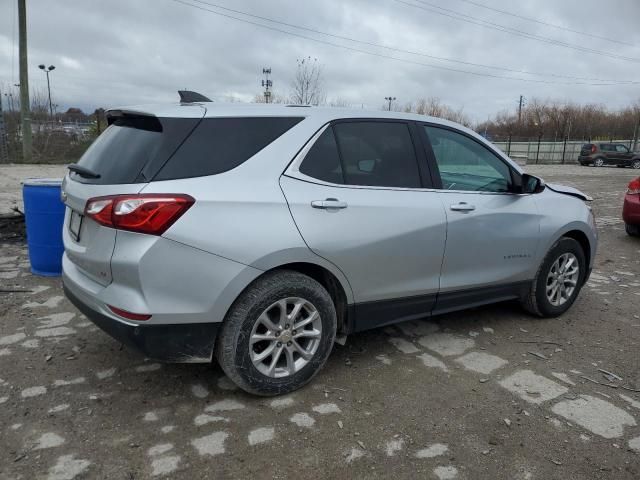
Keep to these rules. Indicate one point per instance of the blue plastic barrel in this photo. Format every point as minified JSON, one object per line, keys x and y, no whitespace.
{"x":44,"y":217}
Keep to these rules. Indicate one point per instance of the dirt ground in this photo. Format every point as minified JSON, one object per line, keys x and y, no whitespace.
{"x":489,"y":393}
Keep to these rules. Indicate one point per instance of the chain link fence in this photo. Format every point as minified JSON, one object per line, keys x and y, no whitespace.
{"x":542,"y":151}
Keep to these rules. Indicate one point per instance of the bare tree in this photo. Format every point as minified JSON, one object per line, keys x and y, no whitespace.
{"x":434,"y":107}
{"x":307,"y":87}
{"x":275,"y":98}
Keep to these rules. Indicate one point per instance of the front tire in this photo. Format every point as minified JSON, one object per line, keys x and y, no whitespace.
{"x":278,"y":334}
{"x":636,"y":164}
{"x":558,"y":280}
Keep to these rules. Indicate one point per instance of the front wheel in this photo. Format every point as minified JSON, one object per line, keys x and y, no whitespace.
{"x":558,"y":281}
{"x":278,"y":334}
{"x":636,"y":164}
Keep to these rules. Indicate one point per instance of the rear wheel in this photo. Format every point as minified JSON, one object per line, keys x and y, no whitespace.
{"x":558,"y":281}
{"x":598,"y":162}
{"x":632,"y":230}
{"x":278,"y":334}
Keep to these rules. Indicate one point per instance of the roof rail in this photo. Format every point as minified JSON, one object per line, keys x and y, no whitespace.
{"x":187,"y":96}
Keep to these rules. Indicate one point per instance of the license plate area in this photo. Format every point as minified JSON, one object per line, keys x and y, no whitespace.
{"x":75,"y":224}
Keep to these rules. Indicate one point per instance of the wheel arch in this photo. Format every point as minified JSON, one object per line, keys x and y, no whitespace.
{"x":329,"y":281}
{"x":580,"y":237}
{"x":304,"y":261}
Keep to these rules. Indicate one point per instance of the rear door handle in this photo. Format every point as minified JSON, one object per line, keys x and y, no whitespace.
{"x":462,"y":207}
{"x":329,"y":203}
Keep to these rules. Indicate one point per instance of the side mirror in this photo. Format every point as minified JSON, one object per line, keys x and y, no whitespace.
{"x":532,"y":184}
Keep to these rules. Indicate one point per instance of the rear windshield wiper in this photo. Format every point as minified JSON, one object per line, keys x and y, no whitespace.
{"x":83,"y":171}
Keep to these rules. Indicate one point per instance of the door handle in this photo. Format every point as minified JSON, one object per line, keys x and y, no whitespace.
{"x":462,"y":207}
{"x":329,"y":203}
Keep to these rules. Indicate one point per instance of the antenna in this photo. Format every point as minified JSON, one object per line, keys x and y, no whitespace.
{"x":267,"y":84}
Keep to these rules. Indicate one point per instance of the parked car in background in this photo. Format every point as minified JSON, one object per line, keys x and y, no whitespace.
{"x":257,"y":233}
{"x":601,"y":154}
{"x":631,"y":208}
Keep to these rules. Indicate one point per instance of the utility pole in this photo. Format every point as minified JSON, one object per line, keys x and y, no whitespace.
{"x":267,"y":84}
{"x":389,"y":99}
{"x":4,"y":150}
{"x":25,"y":110}
{"x":520,"y":105}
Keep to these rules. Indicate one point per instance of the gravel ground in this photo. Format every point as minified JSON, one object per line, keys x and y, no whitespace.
{"x":489,"y":393}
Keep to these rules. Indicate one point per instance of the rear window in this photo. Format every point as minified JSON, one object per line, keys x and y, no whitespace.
{"x":140,"y":149}
{"x":129,"y":144}
{"x":220,"y":144}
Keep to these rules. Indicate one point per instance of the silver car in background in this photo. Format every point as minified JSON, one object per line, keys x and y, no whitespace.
{"x":257,"y":233}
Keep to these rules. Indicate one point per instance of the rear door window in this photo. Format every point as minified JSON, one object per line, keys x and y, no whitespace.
{"x":219,"y":144}
{"x":377,"y":154}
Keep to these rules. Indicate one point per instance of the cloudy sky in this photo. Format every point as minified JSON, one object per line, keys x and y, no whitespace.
{"x":119,"y":52}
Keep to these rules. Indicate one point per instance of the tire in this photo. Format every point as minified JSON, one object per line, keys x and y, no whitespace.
{"x":536,"y":300}
{"x":262,"y":300}
{"x":598,"y":162}
{"x":632,"y":230}
{"x":635,"y":164}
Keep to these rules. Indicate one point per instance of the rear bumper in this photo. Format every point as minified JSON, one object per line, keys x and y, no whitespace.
{"x":631,"y":209}
{"x":179,"y":343}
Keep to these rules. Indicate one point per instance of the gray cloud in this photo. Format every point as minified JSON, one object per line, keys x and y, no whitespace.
{"x":130,"y":52}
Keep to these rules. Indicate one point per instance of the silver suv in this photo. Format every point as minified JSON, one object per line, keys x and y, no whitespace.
{"x":257,"y":233}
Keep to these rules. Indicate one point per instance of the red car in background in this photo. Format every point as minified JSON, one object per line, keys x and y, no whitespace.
{"x":631,"y":208}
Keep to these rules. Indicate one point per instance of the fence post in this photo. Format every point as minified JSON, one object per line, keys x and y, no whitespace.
{"x":564,"y":149}
{"x":538,"y":152}
{"x":509,"y":146}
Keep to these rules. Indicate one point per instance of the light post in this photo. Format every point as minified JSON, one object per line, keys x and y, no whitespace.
{"x":389,"y":99}
{"x":47,"y":70}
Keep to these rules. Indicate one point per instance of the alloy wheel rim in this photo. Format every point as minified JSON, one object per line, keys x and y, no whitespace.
{"x":599,"y":162}
{"x":636,"y":164}
{"x":562,"y":279}
{"x":285,"y":337}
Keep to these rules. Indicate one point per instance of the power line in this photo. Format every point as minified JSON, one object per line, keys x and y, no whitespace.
{"x":512,"y":31}
{"x":410,"y":52}
{"x":389,"y":57}
{"x":540,"y":22}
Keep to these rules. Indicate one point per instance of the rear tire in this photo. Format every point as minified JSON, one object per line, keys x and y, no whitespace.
{"x":540,"y":300}
{"x":632,"y":230}
{"x":598,"y":162}
{"x":259,"y":347}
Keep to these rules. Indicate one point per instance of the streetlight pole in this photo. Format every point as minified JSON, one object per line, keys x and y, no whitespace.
{"x":389,"y":99}
{"x":47,"y":70}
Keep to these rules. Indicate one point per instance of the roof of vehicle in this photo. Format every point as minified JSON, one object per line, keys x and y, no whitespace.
{"x":190,"y":110}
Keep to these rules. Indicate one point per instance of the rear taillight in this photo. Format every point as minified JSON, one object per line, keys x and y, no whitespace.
{"x":145,"y":213}
{"x":593,"y":149}
{"x":634,"y":187}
